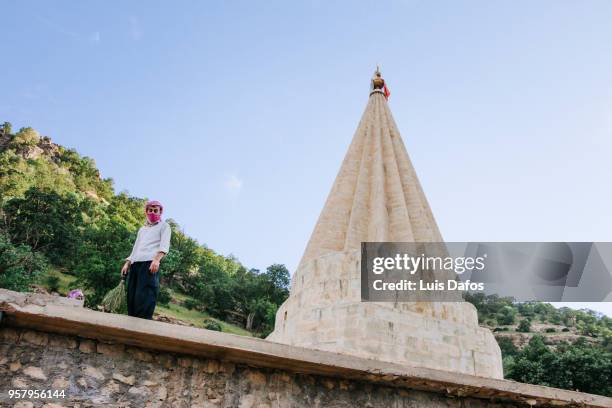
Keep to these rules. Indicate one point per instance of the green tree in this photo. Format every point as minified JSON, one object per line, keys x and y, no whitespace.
{"x":524,"y":326}
{"x":185,"y":262}
{"x":533,"y":363}
{"x":100,"y":258}
{"x":170,"y":266}
{"x":276,"y":283}
{"x":126,"y":210}
{"x":506,"y":315}
{"x":46,"y":221}
{"x":263,"y":312}
{"x":526,"y":309}
{"x":576,"y":367}
{"x":507,"y":346}
{"x":26,"y":136}
{"x":212,"y":285}
{"x":19,"y":265}
{"x":583,"y":368}
{"x":7,"y":128}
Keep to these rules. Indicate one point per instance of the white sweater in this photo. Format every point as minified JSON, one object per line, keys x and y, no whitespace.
{"x":150,"y":240}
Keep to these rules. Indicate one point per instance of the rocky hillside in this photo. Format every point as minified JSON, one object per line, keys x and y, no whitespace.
{"x":62,"y":226}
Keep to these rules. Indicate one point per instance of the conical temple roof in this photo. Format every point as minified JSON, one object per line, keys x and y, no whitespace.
{"x":376,"y":195}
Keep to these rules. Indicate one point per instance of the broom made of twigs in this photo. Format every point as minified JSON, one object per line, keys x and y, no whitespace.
{"x":115,"y":300}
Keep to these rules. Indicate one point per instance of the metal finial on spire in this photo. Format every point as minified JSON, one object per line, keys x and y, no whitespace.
{"x":377,"y":81}
{"x":378,"y":84}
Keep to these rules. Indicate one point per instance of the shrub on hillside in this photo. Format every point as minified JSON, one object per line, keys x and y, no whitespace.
{"x":47,"y":222}
{"x":52,"y":283}
{"x":524,"y":326}
{"x":27,"y":136}
{"x":100,"y":257}
{"x":191,"y":304}
{"x":507,"y":346}
{"x":164,"y":296}
{"x":7,"y":128}
{"x":507,"y":315}
{"x":575,"y":367}
{"x":20,"y":265}
{"x":212,"y":325}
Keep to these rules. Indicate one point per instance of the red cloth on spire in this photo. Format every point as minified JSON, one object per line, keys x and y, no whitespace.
{"x":386,"y":90}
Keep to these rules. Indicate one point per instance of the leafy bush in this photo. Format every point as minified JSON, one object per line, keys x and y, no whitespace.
{"x":191,"y":303}
{"x":507,"y":346}
{"x":524,"y":326}
{"x":53,"y":282}
{"x":27,"y":136}
{"x":575,"y":367}
{"x":100,"y":257}
{"x":586,"y":366}
{"x":212,"y":325}
{"x":164,"y":296}
{"x":7,"y":128}
{"x":20,"y":266}
{"x":46,"y":221}
{"x":507,"y":315}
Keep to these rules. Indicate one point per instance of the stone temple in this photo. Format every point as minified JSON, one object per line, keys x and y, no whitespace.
{"x":377,"y":197}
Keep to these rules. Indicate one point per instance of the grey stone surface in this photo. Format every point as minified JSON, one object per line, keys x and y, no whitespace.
{"x":111,"y":380}
{"x":99,"y":345}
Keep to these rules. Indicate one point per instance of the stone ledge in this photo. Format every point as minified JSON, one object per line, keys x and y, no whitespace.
{"x":34,"y":312}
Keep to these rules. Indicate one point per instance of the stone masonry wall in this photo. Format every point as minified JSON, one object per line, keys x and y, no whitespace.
{"x":96,"y":374}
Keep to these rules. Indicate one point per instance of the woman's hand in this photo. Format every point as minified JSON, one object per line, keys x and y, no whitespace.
{"x":154,"y":266}
{"x":125,"y":268}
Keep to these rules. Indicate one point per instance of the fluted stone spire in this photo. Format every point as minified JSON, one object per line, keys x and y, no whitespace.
{"x":377,"y":197}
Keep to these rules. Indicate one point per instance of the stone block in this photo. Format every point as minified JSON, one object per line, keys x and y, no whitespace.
{"x":93,"y":372}
{"x":9,"y":335}
{"x":87,"y":346}
{"x":129,"y":380}
{"x":62,"y":342}
{"x":35,"y":373}
{"x":111,"y":350}
{"x":35,"y":338}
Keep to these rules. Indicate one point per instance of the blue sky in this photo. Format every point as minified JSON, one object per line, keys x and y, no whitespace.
{"x":237,"y":114}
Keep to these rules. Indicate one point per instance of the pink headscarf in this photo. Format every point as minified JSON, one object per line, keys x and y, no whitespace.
{"x":154,"y":203}
{"x":154,"y":218}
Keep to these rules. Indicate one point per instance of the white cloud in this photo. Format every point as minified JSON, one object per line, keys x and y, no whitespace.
{"x":233,"y":185}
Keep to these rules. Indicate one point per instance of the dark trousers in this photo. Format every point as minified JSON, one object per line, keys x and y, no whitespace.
{"x":142,"y":288}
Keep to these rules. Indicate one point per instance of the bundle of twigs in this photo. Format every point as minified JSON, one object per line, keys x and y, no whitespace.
{"x":115,"y":300}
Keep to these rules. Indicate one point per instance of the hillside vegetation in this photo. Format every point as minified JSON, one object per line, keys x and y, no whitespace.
{"x":63,"y":226}
{"x":540,"y":344}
